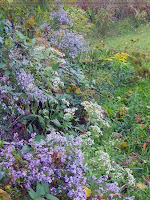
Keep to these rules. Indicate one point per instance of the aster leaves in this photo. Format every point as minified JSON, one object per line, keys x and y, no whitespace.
{"x":51,"y":197}
{"x":57,"y":123}
{"x":55,"y":67}
{"x":42,"y":190}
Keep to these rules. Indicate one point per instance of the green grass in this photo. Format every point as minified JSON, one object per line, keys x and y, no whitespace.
{"x":128,"y":106}
{"x":123,"y":36}
{"x":136,"y":40}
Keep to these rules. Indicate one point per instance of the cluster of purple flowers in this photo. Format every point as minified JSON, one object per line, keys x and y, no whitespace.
{"x":57,"y":160}
{"x":26,"y":81}
{"x":61,"y":16}
{"x":67,"y":41}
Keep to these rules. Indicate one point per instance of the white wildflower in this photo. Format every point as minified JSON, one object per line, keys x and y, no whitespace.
{"x":65,"y":102}
{"x":57,"y":83}
{"x":87,"y":139}
{"x":69,"y":113}
{"x":95,"y":111}
{"x":131,"y":180}
{"x":104,"y":160}
{"x":96,"y":129}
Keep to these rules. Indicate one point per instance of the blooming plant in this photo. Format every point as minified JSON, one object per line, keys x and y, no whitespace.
{"x":69,"y":42}
{"x":119,"y":56}
{"x":96,"y":114}
{"x":61,"y":16}
{"x":57,"y":160}
{"x":44,"y":90}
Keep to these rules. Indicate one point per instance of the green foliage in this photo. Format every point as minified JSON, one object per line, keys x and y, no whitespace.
{"x":42,"y":192}
{"x":80,"y":20}
{"x":122,"y":88}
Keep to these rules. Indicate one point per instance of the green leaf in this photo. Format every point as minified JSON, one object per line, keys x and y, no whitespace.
{"x":45,"y":187}
{"x":9,"y":89}
{"x":20,"y":35}
{"x":32,"y":193}
{"x":1,"y":142}
{"x":38,"y":138}
{"x":30,"y":128}
{"x":30,"y":117}
{"x":40,"y":199}
{"x":33,"y":41}
{"x":41,"y":120}
{"x":6,"y":142}
{"x":39,"y":190}
{"x":51,"y":197}
{"x":26,"y":148}
{"x":2,"y":65}
{"x":55,"y":67}
{"x":1,"y":175}
{"x":57,"y":123}
{"x":7,"y":73}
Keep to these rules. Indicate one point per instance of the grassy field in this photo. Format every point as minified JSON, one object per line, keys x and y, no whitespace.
{"x":135,"y":40}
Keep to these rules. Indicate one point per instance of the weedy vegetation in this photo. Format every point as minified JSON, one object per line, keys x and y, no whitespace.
{"x":75,"y":101}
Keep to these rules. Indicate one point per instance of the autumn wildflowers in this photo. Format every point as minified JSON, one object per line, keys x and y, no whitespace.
{"x":52,"y":131}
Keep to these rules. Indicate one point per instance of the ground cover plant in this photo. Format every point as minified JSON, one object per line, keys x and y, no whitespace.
{"x":74,"y":115}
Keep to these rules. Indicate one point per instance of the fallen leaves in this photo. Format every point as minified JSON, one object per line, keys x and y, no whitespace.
{"x":140,"y":186}
{"x":138,"y":118}
{"x":123,"y":145}
{"x":88,"y":191}
{"x":147,"y":181}
{"x":146,"y":143}
{"x":118,"y":135}
{"x":5,"y":195}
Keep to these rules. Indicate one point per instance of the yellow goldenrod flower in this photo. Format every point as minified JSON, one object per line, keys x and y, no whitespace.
{"x":109,"y":59}
{"x":31,"y":21}
{"x":38,"y":33}
{"x":118,"y":56}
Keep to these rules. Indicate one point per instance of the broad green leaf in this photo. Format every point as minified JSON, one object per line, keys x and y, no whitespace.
{"x":30,"y":117}
{"x":41,"y":120}
{"x":39,"y":190}
{"x":33,"y":41}
{"x":51,"y":197}
{"x":20,"y":35}
{"x":32,"y":193}
{"x":1,"y":142}
{"x":1,"y":175}
{"x":7,"y":72}
{"x":38,"y":138}
{"x":2,"y":65}
{"x":57,"y":123}
{"x":55,"y":67}
{"x":45,"y":187}
{"x":26,"y":148}
{"x":30,"y":128}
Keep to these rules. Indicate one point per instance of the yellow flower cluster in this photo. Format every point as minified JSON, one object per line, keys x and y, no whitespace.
{"x":119,"y":56}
